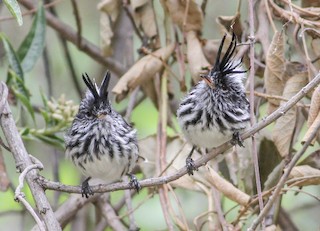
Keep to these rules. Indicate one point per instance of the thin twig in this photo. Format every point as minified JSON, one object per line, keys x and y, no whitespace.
{"x":283,"y":179}
{"x":132,"y":103}
{"x":135,"y":28}
{"x":67,"y":54}
{"x":156,"y":181}
{"x":132,"y":222}
{"x":251,"y":99}
{"x":87,"y":47}
{"x":23,"y":160}
{"x":46,"y":6}
{"x":78,"y":21}
{"x":19,"y":196}
{"x":161,"y":146}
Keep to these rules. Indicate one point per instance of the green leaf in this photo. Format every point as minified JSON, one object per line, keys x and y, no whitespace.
{"x":14,"y":9}
{"x":15,"y":81}
{"x":24,"y":131}
{"x":12,"y":56}
{"x":25,"y":101}
{"x":32,"y":46}
{"x":50,"y":139}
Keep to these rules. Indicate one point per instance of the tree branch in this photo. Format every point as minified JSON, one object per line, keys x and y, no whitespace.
{"x":72,"y":36}
{"x":200,"y":162}
{"x":23,"y":160}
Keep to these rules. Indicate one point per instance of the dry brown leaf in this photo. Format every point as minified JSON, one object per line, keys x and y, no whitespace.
{"x":225,"y":23}
{"x":196,"y":59}
{"x":315,"y":106}
{"x":228,"y":189}
{"x":305,"y":171}
{"x":109,"y":12}
{"x":285,"y":125}
{"x":311,"y":129}
{"x":210,"y":49}
{"x":194,"y":18}
{"x":310,"y":3}
{"x":144,"y":17}
{"x":313,"y":160}
{"x":143,"y":70}
{"x":274,"y":69}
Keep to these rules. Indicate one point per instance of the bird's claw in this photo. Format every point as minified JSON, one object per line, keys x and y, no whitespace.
{"x":191,"y":167}
{"x":134,"y":183}
{"x":86,"y":189}
{"x":236,"y":139}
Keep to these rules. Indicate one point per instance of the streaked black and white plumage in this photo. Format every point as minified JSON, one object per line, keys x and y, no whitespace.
{"x":216,"y":108}
{"x":100,"y":142}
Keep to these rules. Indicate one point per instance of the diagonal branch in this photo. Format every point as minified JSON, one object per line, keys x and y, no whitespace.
{"x":23,"y":160}
{"x":71,"y":35}
{"x":200,"y":162}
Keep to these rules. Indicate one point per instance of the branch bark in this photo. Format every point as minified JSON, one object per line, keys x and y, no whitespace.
{"x":200,"y":162}
{"x":72,"y":36}
{"x":23,"y":161}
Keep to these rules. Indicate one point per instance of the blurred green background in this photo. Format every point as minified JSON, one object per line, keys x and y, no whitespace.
{"x":300,"y":207}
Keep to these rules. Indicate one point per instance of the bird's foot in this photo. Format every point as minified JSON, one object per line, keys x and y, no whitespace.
{"x":236,"y":139}
{"x":134,"y":182}
{"x":86,"y":189}
{"x":190,"y":166}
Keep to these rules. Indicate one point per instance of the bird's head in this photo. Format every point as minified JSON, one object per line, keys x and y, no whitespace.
{"x":226,"y":72}
{"x":95,"y":104}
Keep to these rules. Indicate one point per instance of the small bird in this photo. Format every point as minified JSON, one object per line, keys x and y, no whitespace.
{"x":100,"y":142}
{"x":216,"y":108}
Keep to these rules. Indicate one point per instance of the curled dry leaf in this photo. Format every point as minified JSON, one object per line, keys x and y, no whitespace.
{"x":196,"y":59}
{"x":314,"y":107}
{"x":226,"y":22}
{"x":109,"y":12}
{"x":144,"y":17}
{"x":274,"y":70}
{"x":305,"y":171}
{"x":240,"y":166}
{"x":228,"y":189}
{"x":285,"y":125}
{"x":143,"y":70}
{"x":313,"y":160}
{"x":192,"y":21}
{"x":310,"y":130}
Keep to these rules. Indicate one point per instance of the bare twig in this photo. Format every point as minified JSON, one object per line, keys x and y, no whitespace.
{"x":132,"y":103}
{"x":132,"y":222}
{"x":23,"y":160}
{"x":151,"y":182}
{"x":283,"y":179}
{"x":78,"y":21}
{"x":19,"y":196}
{"x":110,"y":215}
{"x":135,"y":28}
{"x":69,"y":34}
{"x":251,"y":99}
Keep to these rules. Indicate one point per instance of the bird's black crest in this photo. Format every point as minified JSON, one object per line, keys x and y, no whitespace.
{"x":103,"y":91}
{"x":226,"y":65}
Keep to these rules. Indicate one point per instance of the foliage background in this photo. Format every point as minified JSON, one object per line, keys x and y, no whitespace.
{"x":301,"y":208}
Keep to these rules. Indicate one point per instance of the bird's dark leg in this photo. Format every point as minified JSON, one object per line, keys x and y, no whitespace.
{"x":134,"y":182}
{"x":85,"y":188}
{"x":190,"y":163}
{"x":236,"y":139}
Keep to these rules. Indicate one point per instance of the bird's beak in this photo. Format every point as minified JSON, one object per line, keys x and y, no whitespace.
{"x":208,"y":81}
{"x":102,"y":115}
